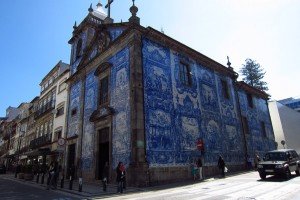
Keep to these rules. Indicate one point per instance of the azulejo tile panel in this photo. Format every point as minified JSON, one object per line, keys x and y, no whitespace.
{"x":74,"y":110}
{"x":116,"y":32}
{"x":256,"y":141}
{"x":90,"y":104}
{"x":119,"y":101}
{"x":176,"y":115}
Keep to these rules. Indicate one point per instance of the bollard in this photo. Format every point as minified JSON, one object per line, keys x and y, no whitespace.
{"x":37,"y":177}
{"x":71,"y":183}
{"x":80,"y":185}
{"x":62,"y":181}
{"x":48,"y":180}
{"x":43,"y":176}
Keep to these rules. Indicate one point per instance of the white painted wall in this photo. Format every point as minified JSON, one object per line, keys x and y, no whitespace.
{"x":61,"y":97}
{"x":286,"y":125}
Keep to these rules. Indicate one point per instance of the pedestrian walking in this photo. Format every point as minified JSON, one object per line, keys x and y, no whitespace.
{"x":199,"y":165}
{"x":194,"y":169}
{"x":221,"y":165}
{"x":105,"y":176}
{"x":120,"y":177}
{"x":256,"y":161}
{"x":249,"y":164}
{"x":53,"y":176}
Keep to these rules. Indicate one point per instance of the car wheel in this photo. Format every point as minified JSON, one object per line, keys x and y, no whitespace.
{"x":297,"y":172}
{"x":262,"y":175}
{"x":287,"y":174}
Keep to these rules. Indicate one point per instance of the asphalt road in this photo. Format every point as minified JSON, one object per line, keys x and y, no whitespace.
{"x":244,"y":186}
{"x":11,"y":190}
{"x":247,"y":186}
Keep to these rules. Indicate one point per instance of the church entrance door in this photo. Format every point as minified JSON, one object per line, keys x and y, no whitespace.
{"x":103,"y":151}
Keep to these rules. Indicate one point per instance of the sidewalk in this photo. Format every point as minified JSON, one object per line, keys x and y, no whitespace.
{"x":88,"y":189}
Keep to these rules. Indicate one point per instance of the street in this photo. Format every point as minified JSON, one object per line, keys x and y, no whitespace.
{"x":243,"y":186}
{"x":247,"y":186}
{"x":11,"y":190}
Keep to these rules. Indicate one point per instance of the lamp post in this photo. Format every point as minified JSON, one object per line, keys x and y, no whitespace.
{"x":18,"y":152}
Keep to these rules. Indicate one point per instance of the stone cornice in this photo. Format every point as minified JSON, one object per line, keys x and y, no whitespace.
{"x":252,"y":90}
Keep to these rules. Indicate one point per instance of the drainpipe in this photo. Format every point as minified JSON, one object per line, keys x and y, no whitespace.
{"x":240,"y":117}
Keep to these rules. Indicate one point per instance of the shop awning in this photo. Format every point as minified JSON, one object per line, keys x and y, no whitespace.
{"x":40,"y":152}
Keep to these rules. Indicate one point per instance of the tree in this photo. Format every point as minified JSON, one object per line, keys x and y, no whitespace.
{"x":253,"y":74}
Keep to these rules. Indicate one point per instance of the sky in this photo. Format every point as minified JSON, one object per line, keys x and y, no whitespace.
{"x":34,"y":37}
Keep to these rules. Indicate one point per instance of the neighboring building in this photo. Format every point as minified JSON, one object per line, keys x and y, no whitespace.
{"x":8,"y":148}
{"x":293,"y":103}
{"x":29,"y":131}
{"x":42,"y":147}
{"x":286,"y":125}
{"x":22,"y":139}
{"x":59,"y":120}
{"x":142,"y":98}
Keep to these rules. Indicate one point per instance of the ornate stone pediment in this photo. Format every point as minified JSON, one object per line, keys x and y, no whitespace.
{"x":102,"y":67}
{"x":101,"y":113}
{"x":99,"y":43}
{"x":103,"y":40}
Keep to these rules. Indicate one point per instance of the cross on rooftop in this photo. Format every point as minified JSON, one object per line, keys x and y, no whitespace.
{"x":108,"y":6}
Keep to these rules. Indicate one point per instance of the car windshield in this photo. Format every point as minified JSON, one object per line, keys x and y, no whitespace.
{"x":279,"y":156}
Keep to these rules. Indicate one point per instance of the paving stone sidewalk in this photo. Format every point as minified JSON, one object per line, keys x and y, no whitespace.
{"x":88,"y":189}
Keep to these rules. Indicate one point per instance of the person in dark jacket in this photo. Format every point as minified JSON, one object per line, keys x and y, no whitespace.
{"x":105,"y":176}
{"x":120,"y":177}
{"x":54,"y":174}
{"x":199,"y":165}
{"x":221,"y":165}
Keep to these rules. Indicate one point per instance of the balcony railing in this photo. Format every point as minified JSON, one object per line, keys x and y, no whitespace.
{"x":40,"y":141}
{"x":45,"y":109}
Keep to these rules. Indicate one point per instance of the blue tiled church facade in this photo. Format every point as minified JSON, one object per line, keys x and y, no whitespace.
{"x":256,"y":141}
{"x":174,"y":116}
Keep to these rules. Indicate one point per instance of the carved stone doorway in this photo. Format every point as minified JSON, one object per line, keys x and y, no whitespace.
{"x":103,"y":151}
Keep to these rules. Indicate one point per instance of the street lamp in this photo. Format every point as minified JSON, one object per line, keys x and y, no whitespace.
{"x":18,"y":151}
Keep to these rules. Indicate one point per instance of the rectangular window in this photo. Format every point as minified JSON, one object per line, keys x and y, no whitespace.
{"x":57,"y":135}
{"x":263,"y":129}
{"x":245,"y":125}
{"x":185,"y":74}
{"x":250,"y":100}
{"x":42,"y":130}
{"x":62,"y":87}
{"x":103,"y":93}
{"x":59,"y":111}
{"x":225,"y":89}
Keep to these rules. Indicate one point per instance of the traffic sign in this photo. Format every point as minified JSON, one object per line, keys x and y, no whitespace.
{"x":61,"y":142}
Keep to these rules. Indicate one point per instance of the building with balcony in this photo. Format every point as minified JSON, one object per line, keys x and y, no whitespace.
{"x":22,"y":140}
{"x":45,"y":114}
{"x":8,"y":146}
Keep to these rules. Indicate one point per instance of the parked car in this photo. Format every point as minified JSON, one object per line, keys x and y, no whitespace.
{"x":2,"y":169}
{"x":279,"y":162}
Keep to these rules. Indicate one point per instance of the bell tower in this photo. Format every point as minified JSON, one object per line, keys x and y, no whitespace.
{"x":84,"y":33}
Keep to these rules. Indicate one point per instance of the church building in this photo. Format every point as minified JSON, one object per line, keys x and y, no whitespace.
{"x":140,"y":97}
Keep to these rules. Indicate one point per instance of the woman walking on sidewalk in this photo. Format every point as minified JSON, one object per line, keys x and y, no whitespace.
{"x":120,"y":177}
